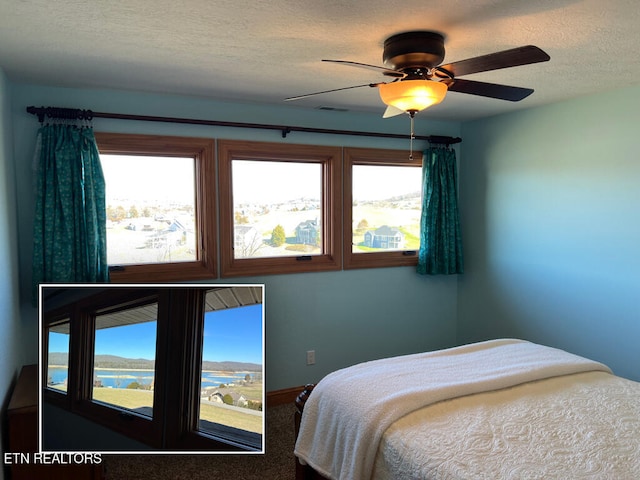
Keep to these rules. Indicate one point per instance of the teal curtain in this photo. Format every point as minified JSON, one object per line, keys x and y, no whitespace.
{"x":440,"y":237}
{"x":69,"y":233}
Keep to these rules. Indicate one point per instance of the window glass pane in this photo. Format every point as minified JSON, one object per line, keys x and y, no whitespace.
{"x":58,"y":357}
{"x":124,"y":358}
{"x":150,"y":209}
{"x":232,"y":386}
{"x":386,"y":208}
{"x":277,"y":208}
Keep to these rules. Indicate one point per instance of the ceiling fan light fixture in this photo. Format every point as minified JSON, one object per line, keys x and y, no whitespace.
{"x":412,"y":95}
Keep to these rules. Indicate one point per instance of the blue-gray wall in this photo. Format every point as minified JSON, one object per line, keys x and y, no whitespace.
{"x":11,"y":357}
{"x":550,"y":202}
{"x":345,"y":316}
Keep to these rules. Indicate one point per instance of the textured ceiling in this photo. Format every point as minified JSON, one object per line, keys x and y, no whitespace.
{"x":265,"y":51}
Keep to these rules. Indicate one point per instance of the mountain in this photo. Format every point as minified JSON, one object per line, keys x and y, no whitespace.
{"x":58,"y":358}
{"x":231,"y":366}
{"x":115,"y":362}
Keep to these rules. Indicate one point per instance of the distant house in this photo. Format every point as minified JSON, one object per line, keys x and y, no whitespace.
{"x":308,"y":232}
{"x":176,"y":226}
{"x":246,"y":240}
{"x":217,"y":395}
{"x":239,"y":400}
{"x":384,"y":237}
{"x":174,"y":234}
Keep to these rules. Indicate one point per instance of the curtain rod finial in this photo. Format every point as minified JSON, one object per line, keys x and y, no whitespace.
{"x":443,"y":140}
{"x":39,"y":112}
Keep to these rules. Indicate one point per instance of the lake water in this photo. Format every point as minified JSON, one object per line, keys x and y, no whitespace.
{"x":122,"y":378}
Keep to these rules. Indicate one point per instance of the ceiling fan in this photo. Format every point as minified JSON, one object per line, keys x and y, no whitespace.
{"x":419,"y":79}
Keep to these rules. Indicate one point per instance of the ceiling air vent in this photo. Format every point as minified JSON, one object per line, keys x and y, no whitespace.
{"x":332,"y":109}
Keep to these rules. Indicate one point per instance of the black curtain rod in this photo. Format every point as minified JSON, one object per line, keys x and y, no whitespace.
{"x":88,"y":115}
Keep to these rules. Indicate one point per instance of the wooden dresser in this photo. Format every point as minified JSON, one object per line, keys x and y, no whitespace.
{"x":22,"y":421}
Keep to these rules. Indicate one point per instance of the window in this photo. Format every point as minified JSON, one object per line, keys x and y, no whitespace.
{"x":150,"y":209}
{"x":160,"y":207}
{"x":177,"y":367}
{"x":124,"y":358}
{"x":278,"y":208}
{"x":282,"y":208}
{"x":115,"y":355}
{"x":58,"y":356}
{"x":382,"y":192}
{"x":231,"y":369}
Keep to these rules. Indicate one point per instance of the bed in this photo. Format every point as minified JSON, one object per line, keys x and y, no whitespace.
{"x":499,"y":409}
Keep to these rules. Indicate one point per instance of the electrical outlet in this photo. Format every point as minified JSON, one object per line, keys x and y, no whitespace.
{"x":311,"y":357}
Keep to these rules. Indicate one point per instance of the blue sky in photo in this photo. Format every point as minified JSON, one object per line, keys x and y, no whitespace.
{"x":234,"y":334}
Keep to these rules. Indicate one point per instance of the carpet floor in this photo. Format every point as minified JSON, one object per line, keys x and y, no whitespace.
{"x":278,"y":463}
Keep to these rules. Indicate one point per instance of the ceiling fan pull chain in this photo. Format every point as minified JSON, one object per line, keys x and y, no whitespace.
{"x":412,"y":136}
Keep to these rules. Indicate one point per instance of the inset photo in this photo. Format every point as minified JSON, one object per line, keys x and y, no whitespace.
{"x":152,"y":368}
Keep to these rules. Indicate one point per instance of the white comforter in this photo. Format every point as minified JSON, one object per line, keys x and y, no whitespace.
{"x":350,"y":409}
{"x":584,"y":426}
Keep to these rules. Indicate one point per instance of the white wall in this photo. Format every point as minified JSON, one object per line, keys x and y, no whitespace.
{"x":11,"y":357}
{"x":345,"y":316}
{"x":549,"y":202}
{"x":551,"y":224}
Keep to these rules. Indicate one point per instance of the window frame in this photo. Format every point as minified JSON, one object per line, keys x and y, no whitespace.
{"x":327,"y":156}
{"x":184,"y":394}
{"x":177,"y":371}
{"x":203,"y":152}
{"x":56,"y":397}
{"x":376,"y":157}
{"x":336,"y":206}
{"x":144,"y":429}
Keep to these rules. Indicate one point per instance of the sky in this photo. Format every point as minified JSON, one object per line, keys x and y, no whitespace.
{"x":372,"y":182}
{"x":234,"y":334}
{"x":258,"y":181}
{"x":139,"y":178}
{"x":171,"y":179}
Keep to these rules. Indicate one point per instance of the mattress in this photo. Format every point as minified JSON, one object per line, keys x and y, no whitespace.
{"x":498,"y":409}
{"x":581,"y":426}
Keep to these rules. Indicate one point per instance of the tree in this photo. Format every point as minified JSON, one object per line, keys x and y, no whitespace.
{"x":363,"y":225}
{"x":133,"y":212}
{"x":241,"y":219}
{"x":116,"y":214}
{"x":278,"y":237}
{"x":227,"y":399}
{"x":251,"y":243}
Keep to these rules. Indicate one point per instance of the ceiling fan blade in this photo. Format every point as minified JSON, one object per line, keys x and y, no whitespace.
{"x":385,"y":71}
{"x":329,"y":91}
{"x":494,"y":61}
{"x":392,"y":111}
{"x":491,"y":90}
